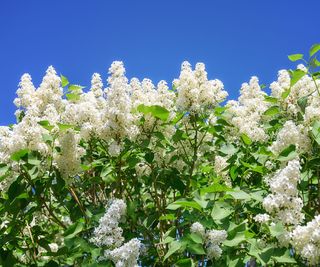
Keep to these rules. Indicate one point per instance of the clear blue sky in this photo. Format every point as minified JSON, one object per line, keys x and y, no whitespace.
{"x":235,"y":39}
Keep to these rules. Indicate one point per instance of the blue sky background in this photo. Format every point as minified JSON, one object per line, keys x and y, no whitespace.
{"x":235,"y":39}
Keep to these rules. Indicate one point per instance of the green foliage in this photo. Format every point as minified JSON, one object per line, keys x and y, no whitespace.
{"x":166,"y":185}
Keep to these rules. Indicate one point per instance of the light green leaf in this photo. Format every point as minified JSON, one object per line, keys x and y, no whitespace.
{"x":75,"y":87}
{"x":236,"y":240}
{"x":156,"y":111}
{"x":295,"y":57}
{"x":46,"y":125}
{"x":196,"y":238}
{"x":288,"y":153}
{"x":73,"y":97}
{"x":220,"y":211}
{"x":246,"y":139}
{"x":239,"y":195}
{"x":215,"y":188}
{"x":277,"y":229}
{"x":184,"y":204}
{"x":296,"y":75}
{"x":64,"y":127}
{"x":196,"y":249}
{"x":272,"y":111}
{"x":173,"y":247}
{"x":314,"y":49}
{"x":316,"y":131}
{"x":64,"y":81}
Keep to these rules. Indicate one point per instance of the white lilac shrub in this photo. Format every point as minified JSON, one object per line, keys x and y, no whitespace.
{"x":133,"y":173}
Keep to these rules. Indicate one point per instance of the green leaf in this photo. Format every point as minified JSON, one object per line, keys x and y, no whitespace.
{"x":184,"y":204}
{"x":295,"y":57}
{"x":228,"y":149}
{"x":272,"y":111}
{"x":64,"y":81}
{"x":74,"y":229}
{"x":168,"y":217}
{"x":46,"y":125}
{"x":3,"y":169}
{"x":288,"y":153}
{"x":276,"y":229}
{"x":174,"y":246}
{"x":16,"y":156}
{"x":315,"y":63}
{"x":236,"y":240}
{"x":196,"y":238}
{"x":184,"y":263}
{"x":314,"y":49}
{"x":285,"y":94}
{"x":270,"y":99}
{"x":73,"y":97}
{"x":283,"y":256}
{"x":316,"y":131}
{"x":156,"y":111}
{"x":215,"y":188}
{"x":75,"y":87}
{"x":246,"y":139}
{"x":239,"y":195}
{"x":220,"y":211}
{"x":255,"y":168}
{"x":302,"y":102}
{"x":296,"y":75}
{"x":64,"y":127}
{"x":196,"y":249}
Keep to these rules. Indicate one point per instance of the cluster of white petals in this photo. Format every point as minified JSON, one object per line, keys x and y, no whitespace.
{"x":304,"y":87}
{"x":291,"y":134}
{"x":69,"y":158}
{"x":108,"y":233}
{"x":246,"y":113}
{"x":306,"y":241}
{"x":195,"y":91}
{"x":220,"y":165}
{"x":212,"y":239}
{"x":283,"y":203}
{"x":126,"y":255}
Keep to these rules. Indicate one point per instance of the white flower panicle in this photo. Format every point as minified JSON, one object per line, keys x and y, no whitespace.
{"x":26,"y":92}
{"x":306,"y":241}
{"x":220,"y":163}
{"x":248,"y":110}
{"x":291,"y":134}
{"x":304,"y":87}
{"x":108,"y":233}
{"x":96,"y":85}
{"x":69,"y":158}
{"x":284,"y":204}
{"x":262,"y":218}
{"x":125,"y":256}
{"x":119,"y":121}
{"x":212,"y":239}
{"x":195,"y":91}
{"x":198,"y":228}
